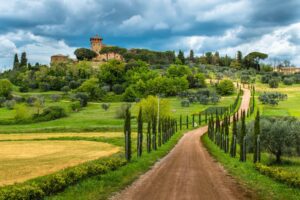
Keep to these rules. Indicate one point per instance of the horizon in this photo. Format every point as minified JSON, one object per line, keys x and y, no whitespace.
{"x":269,"y":27}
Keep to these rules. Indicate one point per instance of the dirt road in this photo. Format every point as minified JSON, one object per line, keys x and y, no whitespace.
{"x":188,"y":172}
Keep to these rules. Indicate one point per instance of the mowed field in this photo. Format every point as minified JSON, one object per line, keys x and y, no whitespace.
{"x":26,"y":156}
{"x":289,"y":107}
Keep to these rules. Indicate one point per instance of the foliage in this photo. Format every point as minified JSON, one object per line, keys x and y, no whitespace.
{"x":178,"y":71}
{"x":105,"y":106}
{"x":273,"y":83}
{"x":185,"y":103}
{"x":10,"y":104}
{"x":92,"y":88}
{"x":225,"y":87}
{"x":121,"y":111}
{"x":289,"y":178}
{"x":5,"y":88}
{"x":82,"y":98}
{"x":150,"y":108}
{"x":288,"y":81}
{"x":130,"y":95}
{"x":127,"y":133}
{"x":278,"y":135}
{"x":48,"y":185}
{"x":112,"y":72}
{"x":84,"y":54}
{"x":272,"y":98}
{"x":75,"y":106}
{"x":21,"y":112}
{"x":50,"y":113}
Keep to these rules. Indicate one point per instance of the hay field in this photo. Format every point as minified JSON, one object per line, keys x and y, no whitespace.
{"x":23,"y":160}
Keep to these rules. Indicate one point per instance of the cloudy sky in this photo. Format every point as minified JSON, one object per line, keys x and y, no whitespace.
{"x":46,"y":27}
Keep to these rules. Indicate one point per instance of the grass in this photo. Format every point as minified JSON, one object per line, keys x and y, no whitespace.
{"x":104,"y":186}
{"x":289,"y":107}
{"x":23,"y":160}
{"x":93,"y":118}
{"x":247,"y":175}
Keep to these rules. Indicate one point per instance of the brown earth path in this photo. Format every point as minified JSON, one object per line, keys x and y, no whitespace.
{"x":188,"y":172}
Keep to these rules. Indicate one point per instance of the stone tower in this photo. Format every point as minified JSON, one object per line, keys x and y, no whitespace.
{"x":96,"y":43}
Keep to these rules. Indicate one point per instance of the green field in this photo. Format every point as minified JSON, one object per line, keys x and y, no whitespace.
{"x":94,"y":118}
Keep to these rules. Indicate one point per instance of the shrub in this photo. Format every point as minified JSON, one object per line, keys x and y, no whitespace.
{"x":10,"y":104}
{"x":51,"y":113}
{"x":288,"y":81}
{"x":225,"y":87}
{"x":21,"y":113}
{"x":105,"y":106}
{"x":75,"y":106}
{"x":83,"y":98}
{"x":44,"y":87}
{"x":118,"y":89}
{"x":55,"y":97}
{"x":185,"y":103}
{"x":6,"y":88}
{"x":24,"y":88}
{"x":286,"y":177}
{"x":120,"y":112}
{"x":129,"y":95}
{"x":272,"y":98}
{"x":51,"y":184}
{"x":273,"y":83}
{"x":65,"y":89}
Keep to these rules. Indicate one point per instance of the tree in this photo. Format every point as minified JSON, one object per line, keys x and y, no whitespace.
{"x":84,"y":54}
{"x":234,"y":137}
{"x":105,"y":106}
{"x":140,"y":133}
{"x":112,"y":72}
{"x":225,"y":87}
{"x":209,"y":57}
{"x":181,"y":57}
{"x":16,"y":62}
{"x":127,"y":133}
{"x":239,"y":57}
{"x":256,"y":142}
{"x":6,"y":88}
{"x":92,"y":88}
{"x":23,"y":63}
{"x":242,"y":138}
{"x":192,"y":58}
{"x":178,"y":71}
{"x":278,"y":135}
{"x":130,"y":95}
{"x":274,"y":83}
{"x":253,"y":58}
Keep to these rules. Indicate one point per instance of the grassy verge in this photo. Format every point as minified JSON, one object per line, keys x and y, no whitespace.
{"x":245,"y":173}
{"x":103,"y":186}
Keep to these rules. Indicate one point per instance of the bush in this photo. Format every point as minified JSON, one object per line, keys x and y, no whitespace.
{"x":272,"y":98}
{"x":82,"y":98}
{"x":31,"y":100}
{"x":118,"y":89}
{"x":24,"y":88}
{"x":51,"y":113}
{"x":75,"y":106}
{"x":185,"y":103}
{"x":51,"y":184}
{"x":273,"y":83}
{"x":55,"y":97}
{"x":288,"y":81}
{"x":105,"y":106}
{"x":129,"y":95}
{"x":6,"y":88}
{"x":286,"y":177}
{"x":10,"y":104}
{"x":225,"y":87}
{"x":120,"y":112}
{"x":44,"y":87}
{"x":65,"y":89}
{"x":21,"y":113}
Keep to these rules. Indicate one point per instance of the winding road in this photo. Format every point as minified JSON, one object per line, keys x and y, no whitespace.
{"x":188,"y":172}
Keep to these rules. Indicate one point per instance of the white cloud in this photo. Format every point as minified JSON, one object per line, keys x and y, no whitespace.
{"x":38,"y":49}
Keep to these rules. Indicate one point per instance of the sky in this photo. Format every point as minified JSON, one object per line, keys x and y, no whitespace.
{"x":46,"y":27}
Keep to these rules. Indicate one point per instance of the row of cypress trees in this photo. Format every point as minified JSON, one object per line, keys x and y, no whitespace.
{"x":218,"y":132}
{"x":158,"y":133}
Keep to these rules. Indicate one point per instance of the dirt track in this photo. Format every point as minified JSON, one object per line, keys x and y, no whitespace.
{"x":187,"y":172}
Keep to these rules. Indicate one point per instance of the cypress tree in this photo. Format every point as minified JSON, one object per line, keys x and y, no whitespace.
{"x":226,"y":134}
{"x":187,"y":121}
{"x":140,"y":134}
{"x":199,"y":119}
{"x":154,"y":124}
{"x":256,"y":155}
{"x":180,"y":123}
{"x":23,"y":62}
{"x":218,"y":127}
{"x":233,"y":139}
{"x":159,"y":133}
{"x":206,"y":116}
{"x":127,"y":132}
{"x":242,"y":138}
{"x":193,"y":121}
{"x":16,"y":62}
{"x":149,"y":137}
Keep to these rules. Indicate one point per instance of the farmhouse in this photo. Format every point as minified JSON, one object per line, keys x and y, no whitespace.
{"x":288,"y":70}
{"x":96,"y":45}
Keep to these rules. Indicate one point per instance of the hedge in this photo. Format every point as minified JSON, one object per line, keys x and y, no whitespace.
{"x":292,"y":179}
{"x":41,"y":187}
